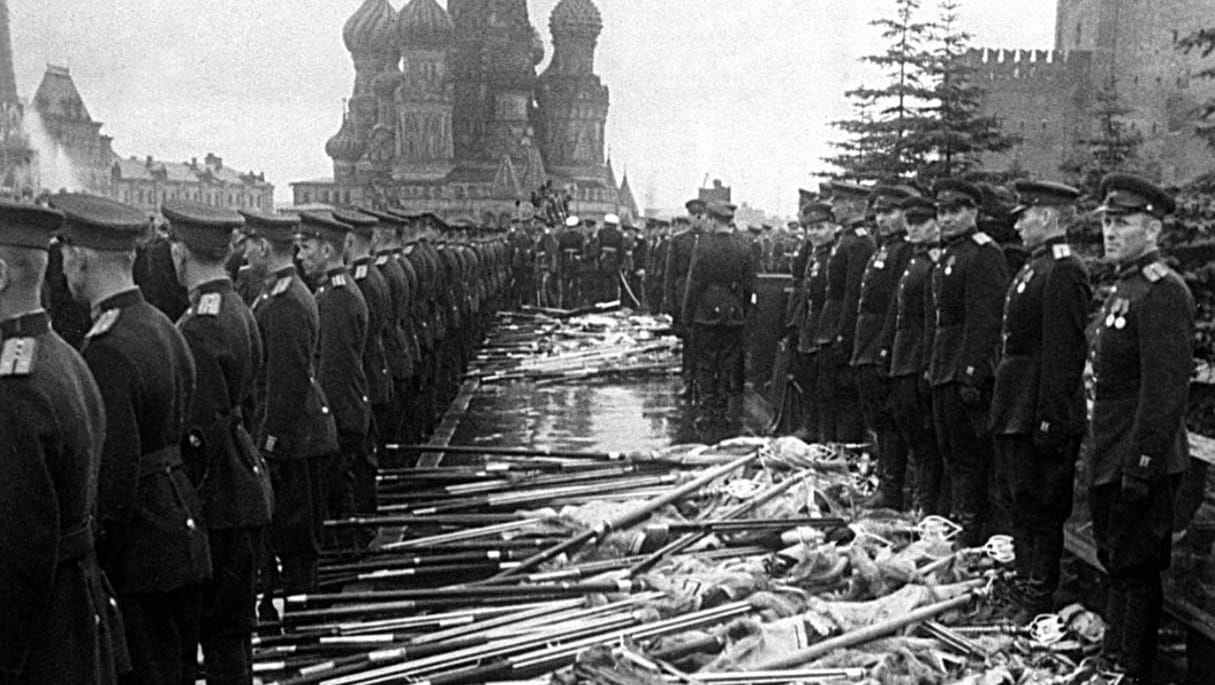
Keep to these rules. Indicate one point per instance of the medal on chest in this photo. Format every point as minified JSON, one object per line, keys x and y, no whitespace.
{"x":1116,"y":316}
{"x":879,"y":261}
{"x":952,"y":261}
{"x":1024,"y":279}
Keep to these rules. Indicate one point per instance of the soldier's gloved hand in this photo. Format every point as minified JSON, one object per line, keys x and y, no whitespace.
{"x":971,"y":397}
{"x":1136,"y":488}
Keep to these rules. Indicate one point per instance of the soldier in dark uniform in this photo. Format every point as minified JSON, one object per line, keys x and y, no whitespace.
{"x":721,"y":284}
{"x":913,"y":318}
{"x":1141,"y":349}
{"x":675,"y":279}
{"x":612,"y":251}
{"x":57,"y":624}
{"x":810,"y":273}
{"x":655,"y":267}
{"x":220,"y":458}
{"x":151,"y":540}
{"x":393,"y":420}
{"x":874,"y":339}
{"x":968,"y":287}
{"x":295,"y":429}
{"x":343,"y":339}
{"x":840,"y":400}
{"x":154,"y":274}
{"x":547,"y":257}
{"x":380,"y":315}
{"x":571,"y":244}
{"x":636,"y":259}
{"x":1037,"y":413}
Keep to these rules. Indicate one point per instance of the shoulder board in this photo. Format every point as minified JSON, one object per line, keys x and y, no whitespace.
{"x":209,"y":304}
{"x":982,"y":238}
{"x":1155,"y":271}
{"x":338,"y":280}
{"x":245,"y":268}
{"x":409,"y":249}
{"x":860,"y":232}
{"x":381,"y":260}
{"x":281,"y":286}
{"x":1061,"y":251}
{"x":360,"y":272}
{"x":104,"y":323}
{"x":17,"y":358}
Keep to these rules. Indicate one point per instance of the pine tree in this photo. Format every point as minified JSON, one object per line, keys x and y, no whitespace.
{"x":1203,"y":42}
{"x":874,"y":149}
{"x":1114,"y":146}
{"x":954,"y":134}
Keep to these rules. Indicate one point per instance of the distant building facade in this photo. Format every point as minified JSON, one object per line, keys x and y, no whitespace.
{"x":1048,"y":97}
{"x":79,"y":156}
{"x":148,"y":183}
{"x":449,"y":116}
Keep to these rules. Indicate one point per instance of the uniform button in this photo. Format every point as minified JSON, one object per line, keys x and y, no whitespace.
{"x":96,"y":619}
{"x":324,"y":410}
{"x":190,"y":524}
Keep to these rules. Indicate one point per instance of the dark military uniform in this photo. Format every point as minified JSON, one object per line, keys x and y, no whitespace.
{"x":913,"y":318}
{"x":675,"y":280}
{"x":968,"y":285}
{"x":612,"y":252}
{"x":571,"y":244}
{"x":1038,"y":413}
{"x":841,"y":420}
{"x":154,"y":274}
{"x":720,"y":287}
{"x":58,"y":623}
{"x":151,"y":542}
{"x":814,"y":298}
{"x":871,"y":361}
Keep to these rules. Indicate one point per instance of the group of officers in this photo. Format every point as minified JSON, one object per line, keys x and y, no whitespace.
{"x":910,"y":329}
{"x":155,"y":474}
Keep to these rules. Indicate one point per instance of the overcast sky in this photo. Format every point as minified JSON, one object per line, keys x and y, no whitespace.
{"x":741,"y":90}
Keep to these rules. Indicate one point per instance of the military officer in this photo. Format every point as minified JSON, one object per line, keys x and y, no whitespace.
{"x":836,"y":327}
{"x":810,"y":268}
{"x":392,"y":417}
{"x":721,"y":283}
{"x":968,"y":285}
{"x":873,"y":340}
{"x":220,"y":458}
{"x":380,"y":314}
{"x":679,"y":262}
{"x":1037,"y":412}
{"x":571,"y":243}
{"x":294,"y":427}
{"x":913,"y":318}
{"x":57,"y":624}
{"x":343,"y":340}
{"x":612,"y":250}
{"x":1141,"y":348}
{"x":151,"y":540}
{"x":655,"y":268}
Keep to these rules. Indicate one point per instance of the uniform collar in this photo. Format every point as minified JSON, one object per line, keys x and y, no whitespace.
{"x":122,"y":300}
{"x":954,"y":240}
{"x":362,"y":260}
{"x":28,"y":325}
{"x":893,"y":238}
{"x":1047,"y":244}
{"x":285,"y":272}
{"x":219,"y":285}
{"x":1137,"y":265}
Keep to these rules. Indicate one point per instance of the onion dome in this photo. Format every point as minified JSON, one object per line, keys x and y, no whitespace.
{"x":537,"y":48}
{"x":371,"y":29}
{"x":345,"y":146}
{"x":576,"y":16}
{"x":424,"y":24}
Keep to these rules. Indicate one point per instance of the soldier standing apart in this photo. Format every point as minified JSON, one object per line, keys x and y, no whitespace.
{"x":343,"y":338}
{"x":57,"y":624}
{"x":968,"y":287}
{"x":295,"y":429}
{"x":720,"y":288}
{"x":612,"y":251}
{"x":1037,"y":412}
{"x":873,"y":340}
{"x":675,"y":284}
{"x":841,"y":420}
{"x":913,"y":318}
{"x":219,"y":454}
{"x":810,"y":265}
{"x":150,"y":541}
{"x":1141,"y":348}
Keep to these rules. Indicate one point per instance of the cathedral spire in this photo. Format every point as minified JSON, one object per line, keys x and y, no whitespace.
{"x":8,"y":81}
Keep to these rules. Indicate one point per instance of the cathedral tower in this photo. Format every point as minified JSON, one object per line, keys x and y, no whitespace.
{"x":423,"y":100}
{"x":370,"y":36}
{"x":573,"y":102}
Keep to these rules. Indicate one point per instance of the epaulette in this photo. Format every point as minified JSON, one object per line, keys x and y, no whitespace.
{"x":360,"y":272}
{"x":1155,"y":271}
{"x":982,"y":238}
{"x":17,"y":358}
{"x":1061,"y":251}
{"x":338,"y":280}
{"x":209,"y":304}
{"x":408,"y":249}
{"x":860,"y":231}
{"x":281,"y":286}
{"x":104,"y":323}
{"x":381,"y":260}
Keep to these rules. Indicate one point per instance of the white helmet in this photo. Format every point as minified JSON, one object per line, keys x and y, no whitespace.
{"x":611,"y":219}
{"x":572,"y":222}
